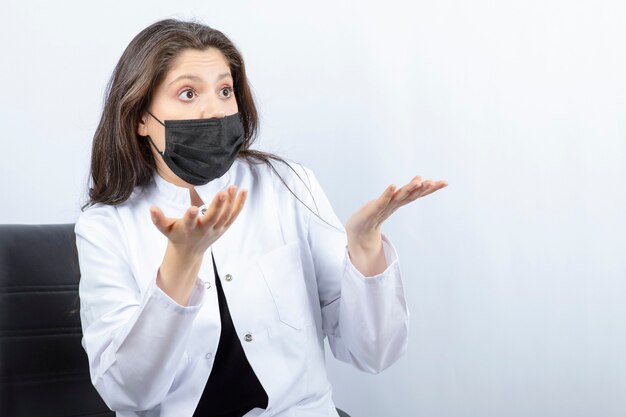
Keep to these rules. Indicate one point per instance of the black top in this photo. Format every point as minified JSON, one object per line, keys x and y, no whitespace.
{"x":233,"y":388}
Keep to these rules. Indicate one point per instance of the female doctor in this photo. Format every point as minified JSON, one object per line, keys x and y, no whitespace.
{"x":211,"y":273}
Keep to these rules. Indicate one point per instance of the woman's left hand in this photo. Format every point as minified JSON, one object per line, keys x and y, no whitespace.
{"x":363,"y":227}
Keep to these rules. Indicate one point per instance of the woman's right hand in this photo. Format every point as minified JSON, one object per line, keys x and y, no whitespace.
{"x":189,"y":237}
{"x":194,"y":234}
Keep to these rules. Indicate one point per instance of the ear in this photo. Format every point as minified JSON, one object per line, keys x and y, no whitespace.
{"x":142,"y":128}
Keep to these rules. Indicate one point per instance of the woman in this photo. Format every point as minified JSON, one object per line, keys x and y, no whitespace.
{"x":211,"y":273}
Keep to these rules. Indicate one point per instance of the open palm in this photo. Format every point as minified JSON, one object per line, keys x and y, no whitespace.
{"x":367,"y":220}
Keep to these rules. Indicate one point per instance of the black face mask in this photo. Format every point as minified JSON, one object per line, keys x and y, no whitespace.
{"x":200,"y":150}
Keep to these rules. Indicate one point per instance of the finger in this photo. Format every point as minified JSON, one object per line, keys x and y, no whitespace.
{"x":416,"y":183}
{"x":403,"y":192}
{"x":386,"y":196}
{"x":190,"y":217}
{"x":228,"y":207}
{"x":424,"y":192}
{"x":413,"y":190}
{"x":425,"y":188}
{"x":436,"y":186}
{"x":396,"y":204}
{"x":419,"y":189}
{"x":164,"y":224}
{"x":241,"y":199}
{"x":382,"y":204}
{"x":213,"y":211}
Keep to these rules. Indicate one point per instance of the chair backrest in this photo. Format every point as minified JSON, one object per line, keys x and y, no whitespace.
{"x":43,"y":367}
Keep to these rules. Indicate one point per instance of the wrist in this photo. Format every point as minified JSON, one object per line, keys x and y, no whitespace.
{"x":367,"y":254}
{"x":180,"y":262}
{"x":370,"y":242}
{"x":178,"y":273}
{"x":183,"y":254}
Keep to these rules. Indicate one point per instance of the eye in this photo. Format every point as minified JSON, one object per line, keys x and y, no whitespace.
{"x":230,"y":91}
{"x":187,"y":94}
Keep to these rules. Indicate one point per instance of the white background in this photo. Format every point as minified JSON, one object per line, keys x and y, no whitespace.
{"x":515,"y":273}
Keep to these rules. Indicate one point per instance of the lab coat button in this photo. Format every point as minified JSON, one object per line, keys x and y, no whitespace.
{"x":207,"y":285}
{"x":228,"y":277}
{"x":248,"y":337}
{"x":209,"y":355}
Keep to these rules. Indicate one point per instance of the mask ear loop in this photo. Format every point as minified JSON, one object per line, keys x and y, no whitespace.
{"x":155,"y":118}
{"x":148,"y":136}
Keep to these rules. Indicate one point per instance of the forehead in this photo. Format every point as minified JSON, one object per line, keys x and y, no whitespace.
{"x":204,"y":64}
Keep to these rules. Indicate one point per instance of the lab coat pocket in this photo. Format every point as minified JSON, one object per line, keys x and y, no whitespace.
{"x":284,"y":276}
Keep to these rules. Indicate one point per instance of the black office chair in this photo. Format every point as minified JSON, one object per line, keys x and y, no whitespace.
{"x":43,"y":368}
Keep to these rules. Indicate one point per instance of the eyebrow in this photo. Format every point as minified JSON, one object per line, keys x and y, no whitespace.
{"x":196,"y":78}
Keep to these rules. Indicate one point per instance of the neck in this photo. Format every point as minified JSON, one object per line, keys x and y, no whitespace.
{"x":170,"y":177}
{"x":166,"y":173}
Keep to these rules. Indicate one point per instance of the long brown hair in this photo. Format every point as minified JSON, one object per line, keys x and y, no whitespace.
{"x":120,"y":160}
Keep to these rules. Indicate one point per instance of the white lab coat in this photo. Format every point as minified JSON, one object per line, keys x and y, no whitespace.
{"x":290,"y":284}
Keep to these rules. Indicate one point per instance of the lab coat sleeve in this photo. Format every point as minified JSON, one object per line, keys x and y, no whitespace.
{"x":365,"y":318}
{"x":134,"y":342}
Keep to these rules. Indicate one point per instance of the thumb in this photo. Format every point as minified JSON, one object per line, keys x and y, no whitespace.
{"x":386,"y":196}
{"x":161,"y":222}
{"x":376,"y":207}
